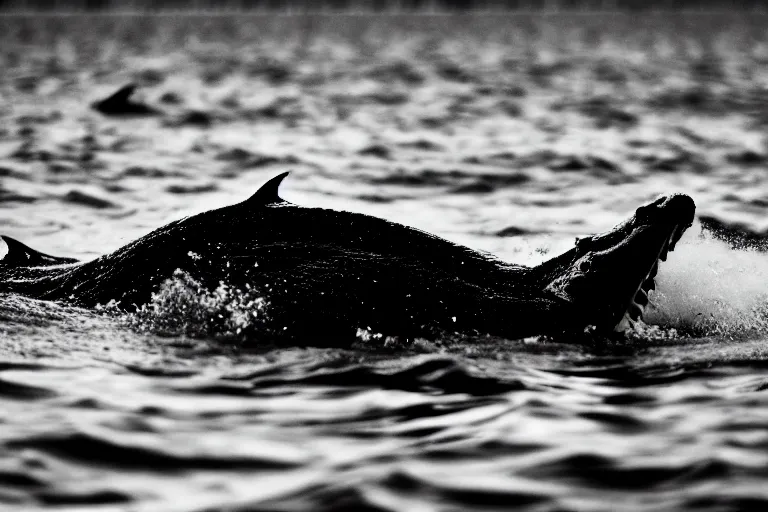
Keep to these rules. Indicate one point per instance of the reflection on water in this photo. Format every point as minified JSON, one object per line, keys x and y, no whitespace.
{"x":511,"y":141}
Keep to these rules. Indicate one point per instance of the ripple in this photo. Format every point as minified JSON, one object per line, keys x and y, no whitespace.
{"x":102,"y":497}
{"x":91,"y":449}
{"x":432,"y":375}
{"x":16,"y":391}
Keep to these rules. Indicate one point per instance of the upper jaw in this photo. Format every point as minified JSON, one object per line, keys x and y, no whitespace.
{"x":675,"y":209}
{"x":660,"y":223}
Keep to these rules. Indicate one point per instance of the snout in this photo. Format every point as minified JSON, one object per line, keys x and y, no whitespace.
{"x":673,"y":209}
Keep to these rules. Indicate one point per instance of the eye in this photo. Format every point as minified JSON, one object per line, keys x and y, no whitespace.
{"x":584,"y":265}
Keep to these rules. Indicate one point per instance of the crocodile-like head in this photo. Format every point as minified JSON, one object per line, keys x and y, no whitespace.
{"x":607,"y":277}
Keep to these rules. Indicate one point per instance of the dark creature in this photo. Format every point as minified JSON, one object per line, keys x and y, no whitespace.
{"x":326,"y":273}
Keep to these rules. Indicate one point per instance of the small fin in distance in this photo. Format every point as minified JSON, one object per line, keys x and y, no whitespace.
{"x":119,"y":103}
{"x":15,"y":254}
{"x":267,"y":194}
{"x":123,"y":94}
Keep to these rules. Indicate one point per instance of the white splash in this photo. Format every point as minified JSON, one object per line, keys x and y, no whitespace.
{"x":709,"y":288}
{"x":182,"y":306}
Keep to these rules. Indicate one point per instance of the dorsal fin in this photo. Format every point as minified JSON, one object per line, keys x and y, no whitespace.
{"x":267,"y":194}
{"x":123,"y":94}
{"x":15,"y":254}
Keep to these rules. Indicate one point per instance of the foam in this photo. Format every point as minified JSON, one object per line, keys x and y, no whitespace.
{"x":706,"y":287}
{"x":182,"y":306}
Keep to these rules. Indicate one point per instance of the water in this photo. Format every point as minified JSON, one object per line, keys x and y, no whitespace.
{"x":469,"y":137}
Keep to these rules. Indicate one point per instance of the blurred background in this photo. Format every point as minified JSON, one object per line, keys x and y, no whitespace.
{"x":388,"y":5}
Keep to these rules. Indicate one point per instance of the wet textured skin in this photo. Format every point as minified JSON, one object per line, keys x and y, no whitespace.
{"x":326,"y":273}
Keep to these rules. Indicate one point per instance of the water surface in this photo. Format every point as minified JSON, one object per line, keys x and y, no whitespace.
{"x":509,"y":135}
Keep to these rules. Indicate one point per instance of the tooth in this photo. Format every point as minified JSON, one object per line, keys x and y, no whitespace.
{"x":634,"y":311}
{"x":623,"y":324}
{"x":676,"y":234}
{"x":664,"y":250}
{"x":679,"y":232}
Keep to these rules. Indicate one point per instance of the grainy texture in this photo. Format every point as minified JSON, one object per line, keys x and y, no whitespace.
{"x":510,"y":134}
